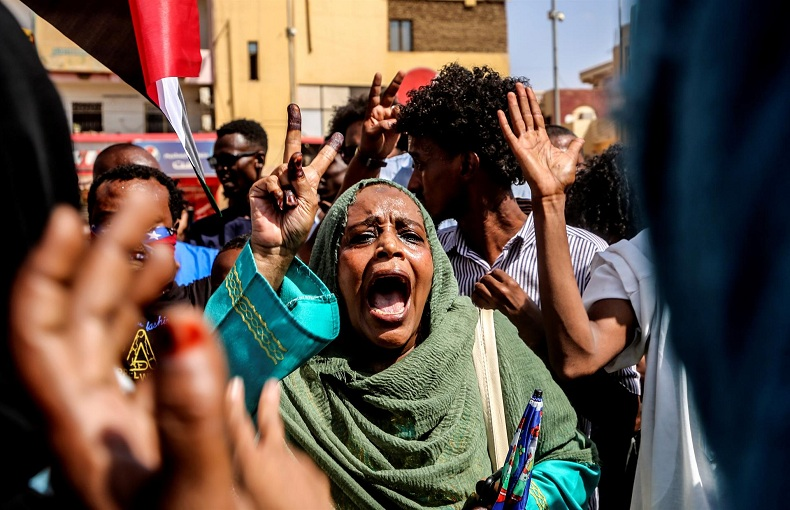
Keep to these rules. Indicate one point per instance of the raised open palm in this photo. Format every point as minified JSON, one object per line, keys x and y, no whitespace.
{"x":547,"y":169}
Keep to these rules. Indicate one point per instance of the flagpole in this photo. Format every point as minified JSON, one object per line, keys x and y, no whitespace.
{"x":554,"y":16}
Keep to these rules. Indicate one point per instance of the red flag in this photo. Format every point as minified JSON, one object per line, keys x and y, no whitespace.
{"x":168,"y":40}
{"x":149,"y":44}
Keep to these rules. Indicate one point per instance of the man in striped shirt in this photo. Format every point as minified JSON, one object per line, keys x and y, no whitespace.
{"x":464,"y":170}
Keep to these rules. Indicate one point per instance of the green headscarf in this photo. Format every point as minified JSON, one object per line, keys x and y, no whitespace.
{"x":413,"y":435}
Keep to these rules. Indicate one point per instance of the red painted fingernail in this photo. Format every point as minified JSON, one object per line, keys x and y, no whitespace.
{"x":179,"y":339}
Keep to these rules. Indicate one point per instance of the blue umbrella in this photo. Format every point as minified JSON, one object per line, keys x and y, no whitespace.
{"x":516,"y":474}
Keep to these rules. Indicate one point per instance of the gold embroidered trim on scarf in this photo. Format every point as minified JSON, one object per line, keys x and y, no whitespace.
{"x":141,"y":356}
{"x":252,"y":319}
{"x":537,"y":495}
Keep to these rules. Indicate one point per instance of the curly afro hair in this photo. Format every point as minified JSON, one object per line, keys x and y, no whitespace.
{"x":349,"y":113}
{"x":603,"y":199}
{"x":132,"y":172}
{"x":458,"y":111}
{"x":249,"y":129}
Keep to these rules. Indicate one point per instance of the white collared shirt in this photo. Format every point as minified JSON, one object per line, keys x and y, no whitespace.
{"x":519,"y":258}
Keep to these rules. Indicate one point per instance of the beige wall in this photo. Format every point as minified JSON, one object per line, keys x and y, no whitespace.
{"x":58,"y":53}
{"x":350,"y":38}
{"x":234,"y":24}
{"x":345,"y":45}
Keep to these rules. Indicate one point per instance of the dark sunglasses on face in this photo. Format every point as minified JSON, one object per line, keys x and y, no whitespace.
{"x":226,"y":160}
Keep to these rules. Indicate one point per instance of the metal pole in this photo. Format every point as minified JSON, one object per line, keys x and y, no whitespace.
{"x":291,"y":33}
{"x":555,"y":16}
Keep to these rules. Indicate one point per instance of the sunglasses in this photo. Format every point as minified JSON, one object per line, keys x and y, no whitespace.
{"x":227,"y":160}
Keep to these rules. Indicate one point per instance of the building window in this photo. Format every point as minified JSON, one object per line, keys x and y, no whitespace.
{"x":155,"y":121}
{"x":400,"y":35}
{"x":86,"y":117}
{"x":252,"y":51}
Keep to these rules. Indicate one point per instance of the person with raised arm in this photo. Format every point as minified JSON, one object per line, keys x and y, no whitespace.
{"x":391,"y":410}
{"x":379,"y":137}
{"x":181,"y":439}
{"x":620,"y":317}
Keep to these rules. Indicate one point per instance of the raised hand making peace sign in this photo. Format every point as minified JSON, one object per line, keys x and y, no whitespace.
{"x":283,"y":205}
{"x":379,"y":132}
{"x":379,"y":135}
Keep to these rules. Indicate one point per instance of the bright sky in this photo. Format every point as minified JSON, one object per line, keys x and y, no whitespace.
{"x":584,"y":39}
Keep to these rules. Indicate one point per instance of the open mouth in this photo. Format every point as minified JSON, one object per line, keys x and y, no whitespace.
{"x":388,"y":296}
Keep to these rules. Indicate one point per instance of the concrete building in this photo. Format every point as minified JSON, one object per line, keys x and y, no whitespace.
{"x":601,"y":130}
{"x":585,"y":112}
{"x":317,"y":53}
{"x":261,"y":55}
{"x":588,"y":112}
{"x":96,"y":100}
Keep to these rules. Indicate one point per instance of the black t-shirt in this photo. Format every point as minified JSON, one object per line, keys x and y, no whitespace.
{"x":215,"y":230}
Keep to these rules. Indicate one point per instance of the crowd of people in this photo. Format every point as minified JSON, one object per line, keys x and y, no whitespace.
{"x":315,"y":345}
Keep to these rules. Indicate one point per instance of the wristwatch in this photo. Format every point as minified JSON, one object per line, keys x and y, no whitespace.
{"x":371,"y":162}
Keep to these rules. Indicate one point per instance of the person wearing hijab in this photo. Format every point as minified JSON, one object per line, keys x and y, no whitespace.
{"x":391,"y":409}
{"x":65,"y":301}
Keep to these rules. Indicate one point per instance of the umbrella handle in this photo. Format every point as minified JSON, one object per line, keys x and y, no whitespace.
{"x":488,"y":489}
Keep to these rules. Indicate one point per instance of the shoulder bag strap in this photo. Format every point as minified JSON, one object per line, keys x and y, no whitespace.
{"x":487,"y":367}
